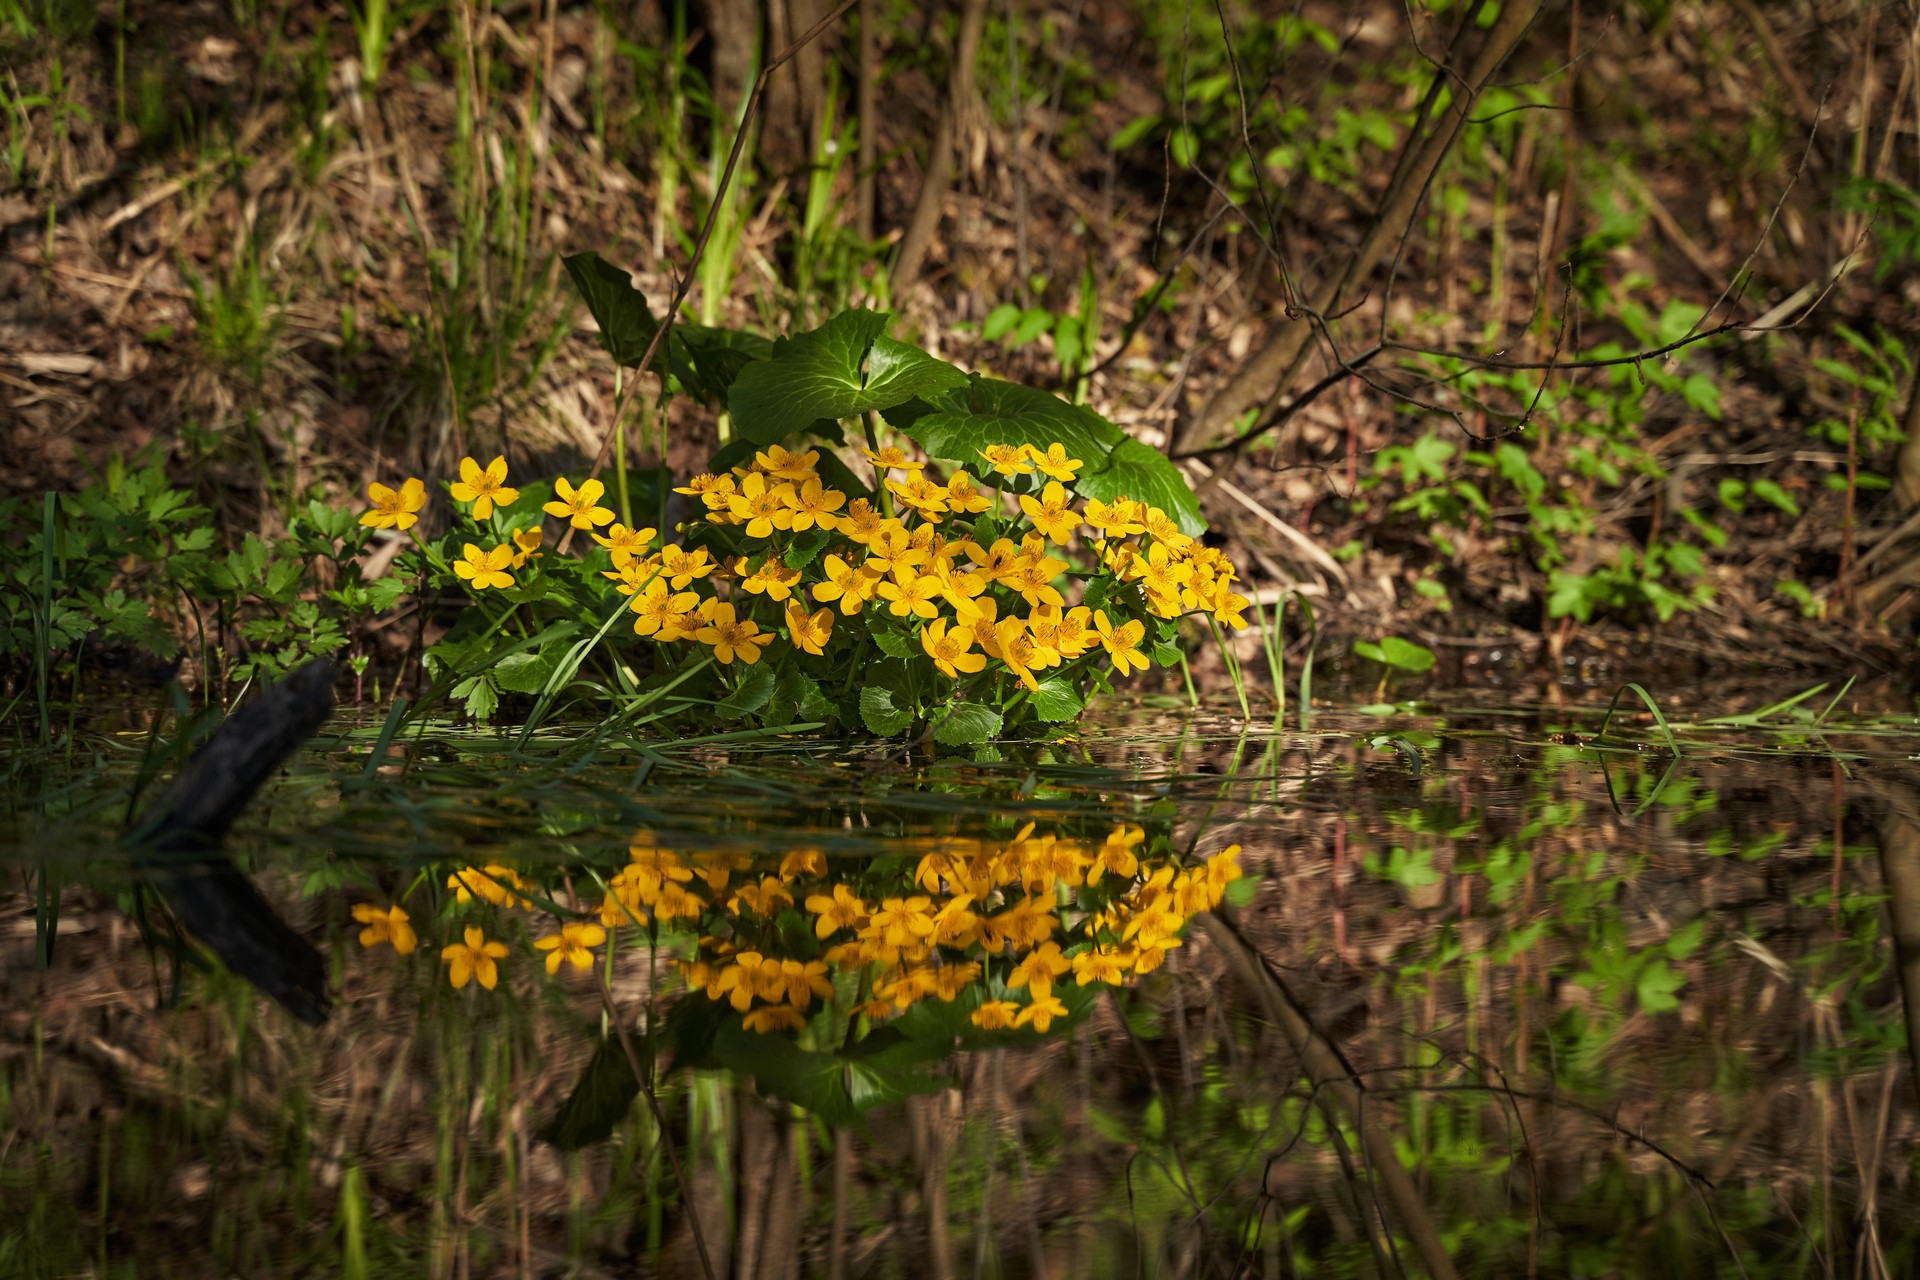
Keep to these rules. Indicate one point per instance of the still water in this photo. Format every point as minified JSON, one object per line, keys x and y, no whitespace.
{"x":1484,"y":992}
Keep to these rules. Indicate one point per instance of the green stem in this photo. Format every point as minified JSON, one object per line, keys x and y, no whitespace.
{"x":871,"y":421}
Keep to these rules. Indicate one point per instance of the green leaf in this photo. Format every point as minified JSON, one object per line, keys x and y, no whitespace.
{"x":891,"y":642}
{"x":806,"y":548}
{"x":708,"y":361}
{"x":478,"y":694}
{"x":1133,"y":470}
{"x":626,"y":323}
{"x":605,"y":1093}
{"x":845,"y":367}
{"x":752,"y":693}
{"x":792,"y":692}
{"x":1056,"y":700}
{"x":881,"y":711}
{"x":999,"y":321}
{"x":1392,"y":651}
{"x":527,"y":672}
{"x":966,"y":724}
{"x":839,"y":1088}
{"x":957,"y":426}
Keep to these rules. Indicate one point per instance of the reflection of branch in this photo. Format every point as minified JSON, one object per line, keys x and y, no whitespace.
{"x":1340,"y":1085}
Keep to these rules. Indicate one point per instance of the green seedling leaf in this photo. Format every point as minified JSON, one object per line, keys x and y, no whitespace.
{"x":1656,"y":987}
{"x":957,"y":426}
{"x":626,"y":323}
{"x":1133,"y":470}
{"x":598,"y":1103}
{"x":844,"y":368}
{"x":967,"y":724}
{"x":1392,"y":651}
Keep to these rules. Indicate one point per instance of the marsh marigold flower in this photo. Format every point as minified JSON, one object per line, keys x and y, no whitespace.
{"x":733,"y":637}
{"x":1053,"y":461}
{"x":394,"y":509}
{"x":485,"y":489}
{"x":482,"y":569}
{"x":579,"y":505}
{"x":474,"y":958}
{"x":808,"y":631}
{"x":386,"y":925}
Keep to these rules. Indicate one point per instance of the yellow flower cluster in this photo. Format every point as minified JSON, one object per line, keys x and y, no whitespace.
{"x":974,"y":911}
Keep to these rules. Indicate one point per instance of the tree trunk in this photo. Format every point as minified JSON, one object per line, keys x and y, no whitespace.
{"x":931,"y":203}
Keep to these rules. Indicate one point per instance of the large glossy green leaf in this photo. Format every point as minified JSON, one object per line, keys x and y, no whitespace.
{"x":955,"y":427}
{"x":1056,"y":700}
{"x":626,"y":323}
{"x":708,"y":361}
{"x":966,"y":724}
{"x":844,"y":368}
{"x":1133,"y":470}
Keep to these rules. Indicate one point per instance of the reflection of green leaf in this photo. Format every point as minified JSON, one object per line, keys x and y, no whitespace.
{"x":605,"y":1092}
{"x":956,"y":426}
{"x":1136,"y":471}
{"x":626,"y":323}
{"x":845,"y":367}
{"x":966,"y":724}
{"x":1656,"y":987}
{"x":838,"y":1088}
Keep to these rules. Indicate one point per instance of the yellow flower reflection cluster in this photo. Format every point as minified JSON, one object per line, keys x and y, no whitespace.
{"x":974,"y":913}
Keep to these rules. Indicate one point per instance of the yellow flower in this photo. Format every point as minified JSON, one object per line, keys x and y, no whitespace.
{"x":683,"y":567}
{"x":1040,"y":1014}
{"x":921,"y":494}
{"x":774,"y":1017}
{"x":963,"y":496}
{"x":787,"y":466}
{"x":1008,"y":459}
{"x":1121,"y":643}
{"x":571,"y":944}
{"x":389,"y":925}
{"x":664,"y":613}
{"x":1032,"y":577}
{"x":729,"y":636}
{"x":1052,"y":512}
{"x":482,"y":569}
{"x":1115,"y":520}
{"x":578,"y":505}
{"x":526,"y":545}
{"x":948,"y":648}
{"x":862,"y":522}
{"x":624,"y":543}
{"x":474,"y":959}
{"x":761,"y":509}
{"x":393,"y":510}
{"x":891,"y":458}
{"x":840,"y":910}
{"x":809,"y":632}
{"x":911,"y":593}
{"x":851,"y":586}
{"x":1054,"y":461}
{"x":772,"y":578}
{"x":484,"y":489}
{"x":892,"y":547}
{"x":995,"y":1015}
{"x":813,"y":504}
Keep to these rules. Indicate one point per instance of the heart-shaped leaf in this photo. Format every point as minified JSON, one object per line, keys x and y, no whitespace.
{"x":957,"y":426}
{"x":626,"y":323}
{"x":1134,"y":470}
{"x":844,"y":368}
{"x":966,"y":724}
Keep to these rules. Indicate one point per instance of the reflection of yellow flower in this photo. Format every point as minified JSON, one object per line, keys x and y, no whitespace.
{"x":1042,"y":965}
{"x":579,"y":505}
{"x":389,"y":925}
{"x":1040,"y":1014}
{"x":840,"y":910}
{"x":774,"y":1017}
{"x":395,"y":510}
{"x":1099,"y":966}
{"x":484,"y":489}
{"x":482,"y":569}
{"x":571,"y":944}
{"x":474,"y":959}
{"x":495,"y":884}
{"x":995,"y":1015}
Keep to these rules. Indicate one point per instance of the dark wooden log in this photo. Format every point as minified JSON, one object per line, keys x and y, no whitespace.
{"x":178,"y":843}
